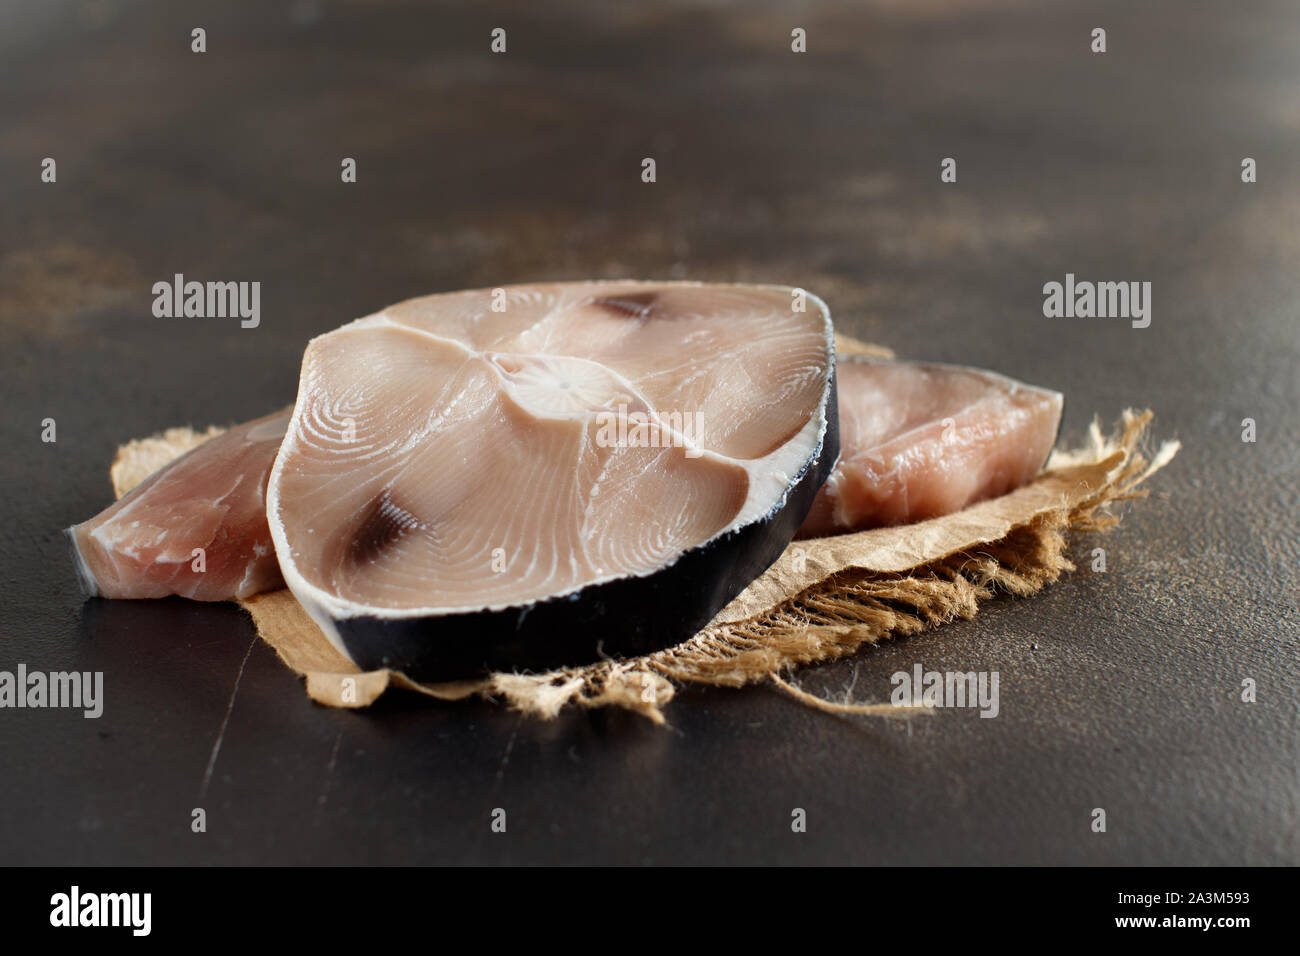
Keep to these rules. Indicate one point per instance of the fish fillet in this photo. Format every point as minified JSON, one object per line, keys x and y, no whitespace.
{"x":892,"y":423}
{"x":455,"y":493}
{"x":924,"y":440}
{"x":195,"y":528}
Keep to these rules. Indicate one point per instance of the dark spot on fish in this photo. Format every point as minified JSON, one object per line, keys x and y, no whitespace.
{"x":384,"y":524}
{"x":635,"y":305}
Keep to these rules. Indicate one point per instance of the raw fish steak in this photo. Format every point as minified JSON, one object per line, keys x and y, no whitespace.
{"x":924,"y":440}
{"x":211,"y":500}
{"x":541,"y":475}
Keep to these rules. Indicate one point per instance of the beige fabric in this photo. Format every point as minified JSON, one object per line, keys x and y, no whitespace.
{"x":139,"y":459}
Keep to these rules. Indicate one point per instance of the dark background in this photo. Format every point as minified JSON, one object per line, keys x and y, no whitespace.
{"x":1119,"y":690}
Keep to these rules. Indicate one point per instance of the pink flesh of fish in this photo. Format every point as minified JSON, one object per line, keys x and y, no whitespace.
{"x":919,"y":441}
{"x":212,"y":498}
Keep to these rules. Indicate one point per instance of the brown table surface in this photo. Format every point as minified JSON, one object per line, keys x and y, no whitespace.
{"x":1118,"y":690}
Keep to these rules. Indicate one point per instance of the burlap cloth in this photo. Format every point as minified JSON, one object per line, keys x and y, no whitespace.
{"x":824,"y":598}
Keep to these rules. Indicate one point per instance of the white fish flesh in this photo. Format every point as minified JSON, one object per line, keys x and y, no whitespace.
{"x":538,"y":475}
